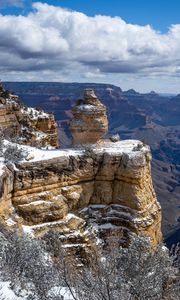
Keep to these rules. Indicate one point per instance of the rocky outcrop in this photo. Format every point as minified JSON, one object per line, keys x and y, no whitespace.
{"x":28,"y":125}
{"x":97,"y":188}
{"x":10,"y":112}
{"x":6,"y":189}
{"x":38,"y":129}
{"x":105,"y":189}
{"x":89,"y":123}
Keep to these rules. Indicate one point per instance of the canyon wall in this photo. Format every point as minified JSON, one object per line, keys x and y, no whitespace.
{"x":105,"y":188}
{"x":96,"y":188}
{"x":25,"y":124}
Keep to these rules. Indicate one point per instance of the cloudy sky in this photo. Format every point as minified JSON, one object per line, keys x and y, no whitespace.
{"x":131,"y":44}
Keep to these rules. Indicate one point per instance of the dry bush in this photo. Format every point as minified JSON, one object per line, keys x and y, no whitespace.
{"x":106,"y":272}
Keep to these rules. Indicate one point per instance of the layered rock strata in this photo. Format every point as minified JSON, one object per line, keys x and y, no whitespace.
{"x":28,"y":125}
{"x":82,"y":192}
{"x":38,"y":128}
{"x":89,"y":123}
{"x":78,"y":192}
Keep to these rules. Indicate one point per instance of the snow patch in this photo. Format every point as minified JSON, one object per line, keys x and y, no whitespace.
{"x":39,"y":202}
{"x":1,"y":168}
{"x":34,"y":113}
{"x":10,"y":222}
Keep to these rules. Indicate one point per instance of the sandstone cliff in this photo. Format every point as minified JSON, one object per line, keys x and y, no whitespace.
{"x":98,"y":188}
{"x":27,"y":125}
{"x":77,"y":192}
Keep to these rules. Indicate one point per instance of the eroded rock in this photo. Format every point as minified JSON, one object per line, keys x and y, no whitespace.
{"x":27,"y":125}
{"x":89,"y":123}
{"x":101,"y":187}
{"x":110,"y":190}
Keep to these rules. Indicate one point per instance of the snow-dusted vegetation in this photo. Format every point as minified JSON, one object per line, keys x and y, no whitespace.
{"x":45,"y":270}
{"x":11,"y":152}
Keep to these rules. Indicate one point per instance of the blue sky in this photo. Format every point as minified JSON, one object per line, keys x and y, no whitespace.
{"x":131,"y":43}
{"x":161,"y":14}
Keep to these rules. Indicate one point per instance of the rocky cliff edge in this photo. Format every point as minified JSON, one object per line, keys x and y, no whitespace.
{"x":97,"y":188}
{"x":77,"y":192}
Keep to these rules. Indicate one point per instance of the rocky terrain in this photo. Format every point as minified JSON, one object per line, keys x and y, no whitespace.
{"x":150,"y":117}
{"x":73,"y":191}
{"x":94,"y":188}
{"x":26,"y":124}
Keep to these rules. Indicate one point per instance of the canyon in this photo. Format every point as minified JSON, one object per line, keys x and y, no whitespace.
{"x":93,"y":188}
{"x":149,"y":117}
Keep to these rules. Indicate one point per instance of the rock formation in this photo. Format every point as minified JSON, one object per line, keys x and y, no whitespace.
{"x":89,"y":123}
{"x":106,"y":187}
{"x":109,"y":189}
{"x":38,"y":129}
{"x":28,"y":125}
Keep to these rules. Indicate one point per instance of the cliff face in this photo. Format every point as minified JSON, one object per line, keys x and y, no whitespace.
{"x":10,"y":111}
{"x":38,"y":128}
{"x":75,"y":192}
{"x":96,"y":189}
{"x":28,"y":125}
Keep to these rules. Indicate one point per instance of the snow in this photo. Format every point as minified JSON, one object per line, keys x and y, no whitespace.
{"x":119,"y":214}
{"x":119,"y":148}
{"x":41,"y":154}
{"x":110,"y":148}
{"x":125,"y":146}
{"x":75,"y":195}
{"x":71,"y":216}
{"x":87,"y":107}
{"x":117,"y":209}
{"x":63,"y":291}
{"x":72,"y":245}
{"x":75,"y":233}
{"x":1,"y":168}
{"x":93,"y":207}
{"x":10,"y":222}
{"x":34,"y":113}
{"x":11,"y":102}
{"x":40,"y":135}
{"x":8,"y":293}
{"x":29,"y":229}
{"x":97,"y":206}
{"x":39,"y":202}
{"x":107,"y":226}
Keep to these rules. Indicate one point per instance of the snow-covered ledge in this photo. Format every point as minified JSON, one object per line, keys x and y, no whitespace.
{"x":49,"y":185}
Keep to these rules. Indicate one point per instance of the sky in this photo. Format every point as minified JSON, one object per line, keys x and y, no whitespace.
{"x":129,"y":43}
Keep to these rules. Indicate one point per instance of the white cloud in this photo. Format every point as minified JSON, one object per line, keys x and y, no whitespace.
{"x":69,"y":45}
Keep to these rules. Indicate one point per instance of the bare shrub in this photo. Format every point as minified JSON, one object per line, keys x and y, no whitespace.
{"x":25,"y":264}
{"x":14,"y":154}
{"x":115,"y":138}
{"x":111,"y":272}
{"x":106,"y":272}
